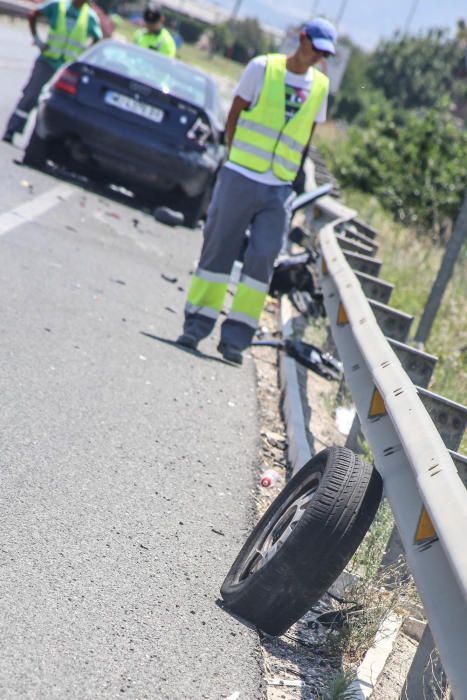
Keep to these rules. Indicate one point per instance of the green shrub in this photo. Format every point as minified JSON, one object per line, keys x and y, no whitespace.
{"x":417,"y":71}
{"x":414,"y":162}
{"x":189,"y":29}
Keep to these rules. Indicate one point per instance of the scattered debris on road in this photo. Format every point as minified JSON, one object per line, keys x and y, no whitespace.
{"x":28,"y":185}
{"x":167,"y":278}
{"x":218,"y":532}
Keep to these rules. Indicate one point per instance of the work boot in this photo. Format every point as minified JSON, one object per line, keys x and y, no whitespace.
{"x":187,"y":341}
{"x":230,"y":353}
{"x":8,"y":136}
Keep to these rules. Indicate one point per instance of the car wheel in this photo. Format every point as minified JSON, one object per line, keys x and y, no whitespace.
{"x":36,"y":152}
{"x":303,"y":541}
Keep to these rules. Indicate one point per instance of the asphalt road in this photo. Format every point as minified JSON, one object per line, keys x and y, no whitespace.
{"x":127,"y":463}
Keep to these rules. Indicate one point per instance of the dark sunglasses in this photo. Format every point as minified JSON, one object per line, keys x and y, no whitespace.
{"x":324,"y":54}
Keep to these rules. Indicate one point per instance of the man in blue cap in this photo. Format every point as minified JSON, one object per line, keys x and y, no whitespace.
{"x":276,"y":105}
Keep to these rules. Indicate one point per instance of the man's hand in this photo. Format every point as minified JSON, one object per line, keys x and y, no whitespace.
{"x":238,"y":105}
{"x":37,"y":41}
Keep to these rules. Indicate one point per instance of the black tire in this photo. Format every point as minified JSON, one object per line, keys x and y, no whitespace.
{"x":303,"y":541}
{"x":36,"y":152}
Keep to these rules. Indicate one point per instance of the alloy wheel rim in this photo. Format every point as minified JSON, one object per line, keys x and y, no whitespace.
{"x":279,"y":532}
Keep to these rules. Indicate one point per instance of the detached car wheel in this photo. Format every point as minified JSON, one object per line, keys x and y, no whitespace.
{"x":303,"y":541}
{"x":36,"y":152}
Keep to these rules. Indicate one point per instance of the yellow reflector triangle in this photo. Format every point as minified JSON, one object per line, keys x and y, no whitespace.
{"x":377,"y":405}
{"x":425,"y":529}
{"x":342,"y":315}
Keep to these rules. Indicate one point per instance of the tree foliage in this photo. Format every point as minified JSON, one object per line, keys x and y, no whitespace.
{"x":190,"y":29}
{"x":410,"y":71}
{"x":354,"y":94}
{"x":240,"y":40}
{"x":405,"y":146}
{"x":417,"y":71}
{"x":413,"y":161}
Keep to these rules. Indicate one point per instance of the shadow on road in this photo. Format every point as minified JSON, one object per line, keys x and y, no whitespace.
{"x":145,"y":202}
{"x":196,"y":353}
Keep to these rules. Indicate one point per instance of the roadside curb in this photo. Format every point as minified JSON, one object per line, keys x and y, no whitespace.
{"x":298,"y":448}
{"x":298,"y":453}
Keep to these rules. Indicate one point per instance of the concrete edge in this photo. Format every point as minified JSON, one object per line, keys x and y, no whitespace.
{"x":376,"y":657}
{"x":299,"y":452}
{"x":298,"y":448}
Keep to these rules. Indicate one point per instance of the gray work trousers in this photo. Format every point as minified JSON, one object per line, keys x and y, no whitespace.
{"x":42,"y":72}
{"x":239,"y":203}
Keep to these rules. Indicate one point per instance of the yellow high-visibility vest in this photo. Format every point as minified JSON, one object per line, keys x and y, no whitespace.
{"x":162,"y":42}
{"x":64,"y":45}
{"x":263,"y":139}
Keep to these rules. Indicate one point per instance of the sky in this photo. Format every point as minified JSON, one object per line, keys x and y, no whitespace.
{"x":366,"y":22}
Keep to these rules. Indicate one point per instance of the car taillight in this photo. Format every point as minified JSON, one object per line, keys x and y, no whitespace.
{"x":200,"y":132}
{"x":67,"y":81}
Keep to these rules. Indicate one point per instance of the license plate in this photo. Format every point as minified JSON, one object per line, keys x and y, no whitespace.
{"x":128,"y":104}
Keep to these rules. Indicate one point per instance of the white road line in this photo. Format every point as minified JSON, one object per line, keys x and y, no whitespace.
{"x":37,"y":206}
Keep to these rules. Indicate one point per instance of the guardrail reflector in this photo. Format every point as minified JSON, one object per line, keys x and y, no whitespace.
{"x":342,"y":318}
{"x":425,"y":529}
{"x":377,"y":405}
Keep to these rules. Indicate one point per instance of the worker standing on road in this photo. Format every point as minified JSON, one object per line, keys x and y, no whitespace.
{"x":270,"y":123}
{"x":155,"y":36}
{"x":72,"y":24}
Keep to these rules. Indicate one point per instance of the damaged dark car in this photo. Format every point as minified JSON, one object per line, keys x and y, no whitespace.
{"x":135,"y":118}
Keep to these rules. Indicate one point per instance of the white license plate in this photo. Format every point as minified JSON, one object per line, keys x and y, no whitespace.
{"x":130,"y":105}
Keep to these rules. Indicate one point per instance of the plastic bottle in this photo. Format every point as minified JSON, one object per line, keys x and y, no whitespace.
{"x":270,"y":478}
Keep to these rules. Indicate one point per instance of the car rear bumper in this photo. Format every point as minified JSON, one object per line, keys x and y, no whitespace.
{"x":130,"y":155}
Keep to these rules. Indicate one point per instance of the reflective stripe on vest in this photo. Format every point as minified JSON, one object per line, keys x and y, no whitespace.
{"x":65,"y":46}
{"x":263,"y":139}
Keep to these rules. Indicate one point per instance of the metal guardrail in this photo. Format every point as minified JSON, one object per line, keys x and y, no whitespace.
{"x":421,"y":482}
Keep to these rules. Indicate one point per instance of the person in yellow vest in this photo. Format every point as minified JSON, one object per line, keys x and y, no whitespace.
{"x":155,"y":36}
{"x":276,"y":105}
{"x":73,"y":24}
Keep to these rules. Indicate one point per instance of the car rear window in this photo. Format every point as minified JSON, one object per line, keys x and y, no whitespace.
{"x":148,"y":67}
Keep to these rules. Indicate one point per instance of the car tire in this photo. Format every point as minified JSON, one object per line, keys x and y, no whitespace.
{"x":36,"y":152}
{"x":303,"y":541}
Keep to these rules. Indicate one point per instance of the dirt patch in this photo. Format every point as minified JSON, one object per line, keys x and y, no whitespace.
{"x":392,"y":678}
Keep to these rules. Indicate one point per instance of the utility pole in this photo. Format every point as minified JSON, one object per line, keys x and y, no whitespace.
{"x":453,"y":248}
{"x":410,"y":16}
{"x":236,"y":9}
{"x":340,"y":14}
{"x":314,"y":9}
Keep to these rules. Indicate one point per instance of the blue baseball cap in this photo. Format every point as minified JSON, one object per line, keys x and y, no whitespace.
{"x":322,"y":34}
